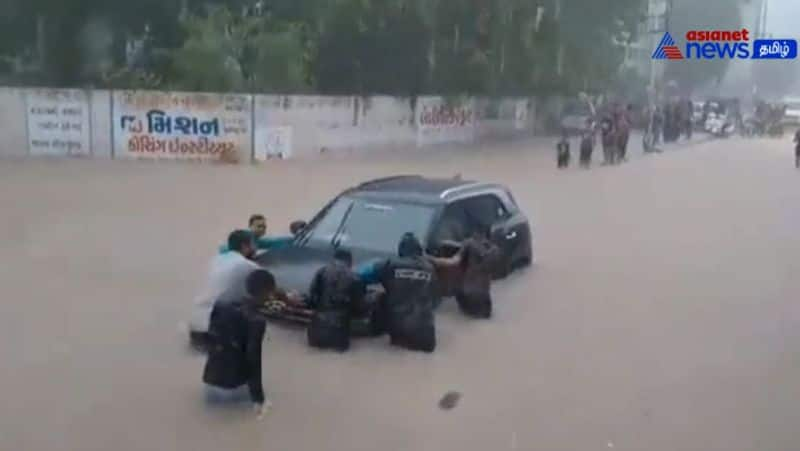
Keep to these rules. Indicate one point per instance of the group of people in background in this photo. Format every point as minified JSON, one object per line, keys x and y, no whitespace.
{"x":671,"y":120}
{"x":229,"y":324}
{"x":614,"y":127}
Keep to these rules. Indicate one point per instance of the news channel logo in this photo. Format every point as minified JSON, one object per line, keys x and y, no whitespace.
{"x":719,"y":44}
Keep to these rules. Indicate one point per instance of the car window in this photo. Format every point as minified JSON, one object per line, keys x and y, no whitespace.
{"x":463,"y":218}
{"x":378,"y":226}
{"x":452,"y":226}
{"x":325,"y":228}
{"x":485,"y":211}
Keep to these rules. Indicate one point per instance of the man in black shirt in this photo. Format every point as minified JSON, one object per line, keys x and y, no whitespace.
{"x":410,"y":295}
{"x":234,"y":359}
{"x":334,"y":293}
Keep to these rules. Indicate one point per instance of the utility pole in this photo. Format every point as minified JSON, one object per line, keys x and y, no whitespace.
{"x":658,"y":15}
{"x":560,"y":54}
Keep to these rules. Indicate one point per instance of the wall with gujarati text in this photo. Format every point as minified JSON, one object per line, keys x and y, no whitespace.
{"x":13,"y":118}
{"x":204,"y":126}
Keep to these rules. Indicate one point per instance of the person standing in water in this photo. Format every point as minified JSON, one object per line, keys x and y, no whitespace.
{"x":587,"y":144}
{"x":233,"y":369}
{"x":562,"y":151}
{"x":797,"y":149}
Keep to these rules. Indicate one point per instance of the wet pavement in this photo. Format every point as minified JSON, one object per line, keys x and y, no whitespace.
{"x":662,"y":312}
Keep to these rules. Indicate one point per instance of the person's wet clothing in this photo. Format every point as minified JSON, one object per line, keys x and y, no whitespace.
{"x":334,"y":295}
{"x":410,"y":295}
{"x":563,"y":153}
{"x":234,"y":358}
{"x":479,"y":259}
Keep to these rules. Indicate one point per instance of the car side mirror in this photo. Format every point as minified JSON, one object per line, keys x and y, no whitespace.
{"x":297,"y":226}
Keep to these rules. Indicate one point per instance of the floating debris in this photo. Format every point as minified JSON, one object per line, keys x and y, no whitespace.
{"x":449,"y":400}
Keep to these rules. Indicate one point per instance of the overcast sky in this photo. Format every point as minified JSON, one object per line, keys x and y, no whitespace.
{"x":782,"y":18}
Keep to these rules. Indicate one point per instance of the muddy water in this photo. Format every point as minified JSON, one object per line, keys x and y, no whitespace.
{"x":662,"y":313}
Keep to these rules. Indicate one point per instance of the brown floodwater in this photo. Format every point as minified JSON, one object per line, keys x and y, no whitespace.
{"x":662,"y":313}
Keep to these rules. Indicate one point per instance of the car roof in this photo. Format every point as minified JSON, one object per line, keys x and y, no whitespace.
{"x":418,"y":189}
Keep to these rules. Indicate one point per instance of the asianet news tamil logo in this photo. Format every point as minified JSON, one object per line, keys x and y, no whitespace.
{"x":713,"y":44}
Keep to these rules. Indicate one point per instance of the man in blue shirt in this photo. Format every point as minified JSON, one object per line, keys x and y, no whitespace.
{"x":258,"y":225}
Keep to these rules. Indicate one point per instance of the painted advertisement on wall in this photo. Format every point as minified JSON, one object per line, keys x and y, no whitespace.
{"x":58,"y":122}
{"x":181,"y":126}
{"x":273,"y":143}
{"x":439,"y":121}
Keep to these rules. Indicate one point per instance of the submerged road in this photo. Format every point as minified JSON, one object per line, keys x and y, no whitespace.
{"x":662,"y":314}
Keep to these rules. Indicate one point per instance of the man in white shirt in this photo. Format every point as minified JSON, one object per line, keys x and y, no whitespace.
{"x":226,"y":283}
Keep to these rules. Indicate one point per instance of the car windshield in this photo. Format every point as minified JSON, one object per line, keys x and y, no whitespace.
{"x":370,"y":225}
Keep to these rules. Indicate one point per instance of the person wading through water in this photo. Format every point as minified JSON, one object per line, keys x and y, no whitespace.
{"x":623,"y":128}
{"x":562,"y":151}
{"x":797,"y":149}
{"x":407,"y":308}
{"x":479,"y":257}
{"x":233,"y":369}
{"x":609,"y":141}
{"x":335,"y":292}
{"x":225,"y":283}
{"x":258,"y":226}
{"x":587,"y":144}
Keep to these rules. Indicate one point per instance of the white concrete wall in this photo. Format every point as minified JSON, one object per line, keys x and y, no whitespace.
{"x":13,"y":123}
{"x":100,"y":114}
{"x":304,"y":126}
{"x":318,"y":124}
{"x":505,"y":118}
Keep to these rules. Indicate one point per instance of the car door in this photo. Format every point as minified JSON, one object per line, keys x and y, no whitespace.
{"x":508,"y":227}
{"x":449,"y":232}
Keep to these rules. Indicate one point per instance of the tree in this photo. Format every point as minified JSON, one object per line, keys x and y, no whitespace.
{"x":227,"y":51}
{"x":593,"y":33}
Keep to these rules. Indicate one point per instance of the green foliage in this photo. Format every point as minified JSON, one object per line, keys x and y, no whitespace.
{"x":224,"y":51}
{"x":398,"y":47}
{"x":210,"y":58}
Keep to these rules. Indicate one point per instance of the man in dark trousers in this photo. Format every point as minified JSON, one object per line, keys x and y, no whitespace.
{"x":479,"y":257}
{"x":410,"y":294}
{"x":335,"y":292}
{"x":562,"y":151}
{"x":622,"y":127}
{"x":587,"y":144}
{"x":797,"y":149}
{"x":609,"y":141}
{"x":234,"y":358}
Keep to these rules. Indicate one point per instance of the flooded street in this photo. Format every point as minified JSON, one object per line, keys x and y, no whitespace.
{"x":662,"y":312}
